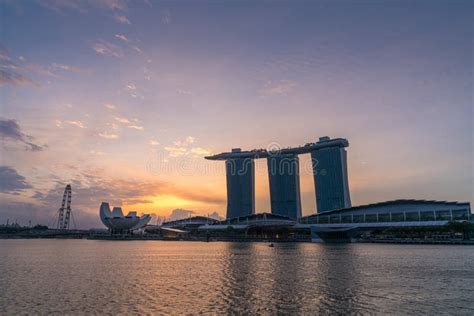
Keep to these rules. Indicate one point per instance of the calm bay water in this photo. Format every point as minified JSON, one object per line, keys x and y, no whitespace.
{"x":83,"y":277}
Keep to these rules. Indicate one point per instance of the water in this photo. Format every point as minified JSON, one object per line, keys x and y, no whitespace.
{"x":83,"y":277}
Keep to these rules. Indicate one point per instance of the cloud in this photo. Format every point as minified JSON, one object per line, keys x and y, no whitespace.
{"x":197,"y":196}
{"x":10,"y":130}
{"x":40,"y":70}
{"x":147,"y":73}
{"x":123,"y":120}
{"x":4,"y":54}
{"x":75,"y":123}
{"x":130,"y":123}
{"x":52,"y":70}
{"x":15,"y":79}
{"x":110,"y":106}
{"x":217,"y":216}
{"x":180,"y":213}
{"x":89,"y":189}
{"x":84,"y":6}
{"x":122,"y":37}
{"x":107,"y":49}
{"x":97,"y":153}
{"x":60,"y":6}
{"x":135,"y":48}
{"x":282,"y":87}
{"x":122,"y":19}
{"x":60,"y":123}
{"x":11,"y":181}
{"x":200,"y":151}
{"x":131,"y":87}
{"x":68,"y":68}
{"x":112,"y":126}
{"x":116,"y":8}
{"x":183,"y":92}
{"x":134,"y":92}
{"x":126,"y":40}
{"x":112,"y":4}
{"x":181,"y":148}
{"x":108,"y":135}
{"x":137,"y":127}
{"x":10,"y":72}
{"x":176,"y":150}
{"x":166,"y":18}
{"x":153,"y":142}
{"x":19,"y":73}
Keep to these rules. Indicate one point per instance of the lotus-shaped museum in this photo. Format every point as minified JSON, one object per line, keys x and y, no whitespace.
{"x":117,"y":222}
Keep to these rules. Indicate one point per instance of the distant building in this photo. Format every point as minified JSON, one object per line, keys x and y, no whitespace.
{"x":190,"y":223}
{"x":284,"y":179}
{"x":330,"y":175}
{"x":347,"y":222}
{"x":240,"y":178}
{"x":116,"y":222}
{"x":251,"y":227}
{"x":397,"y":211}
{"x":338,"y":225}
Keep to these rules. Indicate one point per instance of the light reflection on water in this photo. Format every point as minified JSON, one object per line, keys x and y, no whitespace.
{"x":82,"y":276}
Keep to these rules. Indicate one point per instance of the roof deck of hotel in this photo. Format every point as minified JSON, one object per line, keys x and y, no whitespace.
{"x":323,"y":142}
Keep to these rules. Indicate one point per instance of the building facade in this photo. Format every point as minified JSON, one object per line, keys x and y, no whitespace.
{"x":330,"y":175}
{"x":240,"y":178}
{"x":284,"y":180}
{"x":407,"y":212}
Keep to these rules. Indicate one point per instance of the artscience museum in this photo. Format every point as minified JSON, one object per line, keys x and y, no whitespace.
{"x":118,"y":223}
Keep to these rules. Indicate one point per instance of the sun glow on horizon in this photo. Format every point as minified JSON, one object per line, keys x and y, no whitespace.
{"x":124,"y":102}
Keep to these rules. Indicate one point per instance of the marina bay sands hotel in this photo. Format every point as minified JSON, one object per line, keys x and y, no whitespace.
{"x":329,"y":163}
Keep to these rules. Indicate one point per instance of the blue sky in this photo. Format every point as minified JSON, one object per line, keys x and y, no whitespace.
{"x":111,"y":89}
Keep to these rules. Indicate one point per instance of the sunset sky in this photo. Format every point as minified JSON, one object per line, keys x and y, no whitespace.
{"x":123,"y":99}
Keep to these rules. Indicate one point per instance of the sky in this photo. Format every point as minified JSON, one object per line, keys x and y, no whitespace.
{"x":123,"y":99}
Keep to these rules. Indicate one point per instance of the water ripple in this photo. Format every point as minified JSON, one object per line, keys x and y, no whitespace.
{"x":153,"y":277}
